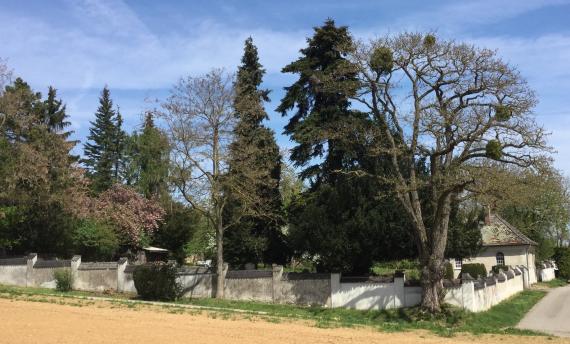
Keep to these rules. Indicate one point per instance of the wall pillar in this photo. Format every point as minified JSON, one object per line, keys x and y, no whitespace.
{"x":526,"y":277}
{"x":32,"y":258}
{"x":468,"y":292}
{"x":399,"y":289}
{"x":276,"y":282}
{"x":121,"y":265}
{"x":75,"y":262}
{"x":335,"y":289}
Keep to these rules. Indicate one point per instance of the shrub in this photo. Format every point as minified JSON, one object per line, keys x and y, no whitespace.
{"x":476,"y":270}
{"x":157,"y":281}
{"x":562,"y":258}
{"x":411,"y":267}
{"x":448,"y":271}
{"x":95,"y":240}
{"x":497,"y":268}
{"x":63,"y":280}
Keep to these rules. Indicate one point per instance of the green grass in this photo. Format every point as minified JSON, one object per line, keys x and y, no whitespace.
{"x":501,"y":319}
{"x":555,"y":283}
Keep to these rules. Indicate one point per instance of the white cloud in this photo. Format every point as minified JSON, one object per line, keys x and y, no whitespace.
{"x":112,"y":46}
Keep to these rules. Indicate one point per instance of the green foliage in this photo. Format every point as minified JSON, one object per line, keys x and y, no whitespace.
{"x":203,"y":242}
{"x":503,"y":113}
{"x":255,"y":166}
{"x":95,"y":240}
{"x":449,"y":275}
{"x":496,"y":268}
{"x":37,"y":175}
{"x":388,"y":268}
{"x":103,"y":152}
{"x":562,"y":258}
{"x":320,"y":98}
{"x":346,"y":229}
{"x":464,"y":235}
{"x":537,"y":202}
{"x":157,"y":281}
{"x":494,"y":150}
{"x":177,"y":229}
{"x":63,"y":280}
{"x":429,"y":41}
{"x":382,"y":60}
{"x":147,"y":158}
{"x":476,"y":270}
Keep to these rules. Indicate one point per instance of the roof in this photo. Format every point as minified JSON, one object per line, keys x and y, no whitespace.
{"x":501,"y":233}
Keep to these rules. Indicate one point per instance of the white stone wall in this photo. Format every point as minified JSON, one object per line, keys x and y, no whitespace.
{"x":13,"y":275}
{"x":546,"y":274}
{"x":478,"y":300}
{"x":374,"y":296}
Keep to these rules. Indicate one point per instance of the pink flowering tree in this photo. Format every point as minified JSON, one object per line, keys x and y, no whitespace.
{"x":134,"y":217}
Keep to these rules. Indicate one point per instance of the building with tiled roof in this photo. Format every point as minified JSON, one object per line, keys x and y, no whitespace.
{"x":503,"y":244}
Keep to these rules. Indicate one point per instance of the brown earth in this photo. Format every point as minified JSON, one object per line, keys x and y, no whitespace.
{"x":99,"y":322}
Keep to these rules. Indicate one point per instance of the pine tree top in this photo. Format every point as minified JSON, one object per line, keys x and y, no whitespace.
{"x":249,"y":98}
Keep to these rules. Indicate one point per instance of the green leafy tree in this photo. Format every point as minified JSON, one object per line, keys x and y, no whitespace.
{"x":346,"y":230}
{"x":95,"y":240}
{"x":254,"y":153}
{"x":38,"y":179}
{"x":177,"y":229}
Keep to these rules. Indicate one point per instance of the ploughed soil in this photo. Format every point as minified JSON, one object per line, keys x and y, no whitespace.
{"x":45,"y":320}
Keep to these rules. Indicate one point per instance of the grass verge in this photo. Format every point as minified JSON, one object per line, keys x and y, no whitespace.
{"x":501,"y":319}
{"x":555,"y":283}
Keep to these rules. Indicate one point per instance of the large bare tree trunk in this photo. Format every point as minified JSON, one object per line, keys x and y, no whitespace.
{"x":220,"y":280}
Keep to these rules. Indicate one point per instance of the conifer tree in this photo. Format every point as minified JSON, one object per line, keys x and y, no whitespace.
{"x":103,"y":151}
{"x":254,"y":152}
{"x":149,"y":158}
{"x":321,"y":99}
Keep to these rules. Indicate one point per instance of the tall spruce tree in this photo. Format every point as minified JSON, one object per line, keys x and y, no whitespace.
{"x":336,"y":220}
{"x":149,"y":159}
{"x":254,"y":151}
{"x":103,"y":152}
{"x":321,"y":98}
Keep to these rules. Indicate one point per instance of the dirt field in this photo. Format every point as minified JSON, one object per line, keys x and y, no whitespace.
{"x":44,"y":322}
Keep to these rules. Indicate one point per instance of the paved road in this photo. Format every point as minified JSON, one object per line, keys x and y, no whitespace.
{"x":551,"y":315}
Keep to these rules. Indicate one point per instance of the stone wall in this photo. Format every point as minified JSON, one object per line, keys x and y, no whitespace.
{"x":480,"y":295}
{"x":546,"y":272}
{"x":272,"y":286}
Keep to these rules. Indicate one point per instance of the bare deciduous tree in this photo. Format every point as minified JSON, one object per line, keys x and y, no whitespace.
{"x":200,"y":118}
{"x":439,"y":109}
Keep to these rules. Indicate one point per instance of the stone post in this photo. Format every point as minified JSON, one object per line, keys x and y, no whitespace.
{"x":121,"y":265}
{"x":468,"y":292}
{"x":526,"y":277}
{"x":32,"y":258}
{"x":399,"y":289}
{"x":75,"y":262}
{"x":335,"y":289}
{"x":276,"y":283}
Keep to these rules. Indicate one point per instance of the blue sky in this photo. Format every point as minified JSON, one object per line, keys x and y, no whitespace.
{"x":140,"y":48}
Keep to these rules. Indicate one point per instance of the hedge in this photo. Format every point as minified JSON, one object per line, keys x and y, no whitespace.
{"x":497,"y":268}
{"x":476,"y":270}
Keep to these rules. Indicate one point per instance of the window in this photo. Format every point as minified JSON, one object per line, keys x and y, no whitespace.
{"x":500,"y":258}
{"x":458,"y":263}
